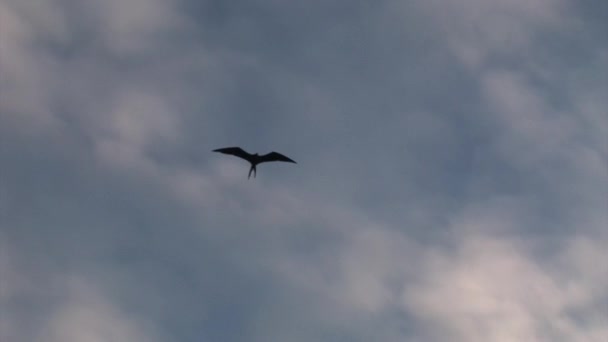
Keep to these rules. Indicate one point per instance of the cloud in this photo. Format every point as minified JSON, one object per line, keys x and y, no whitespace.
{"x":27,"y":76}
{"x":450,"y":181}
{"x":480,"y":30}
{"x":498,"y":292}
{"x":133,"y":26}
{"x":485,"y":284}
{"x":87,"y":316}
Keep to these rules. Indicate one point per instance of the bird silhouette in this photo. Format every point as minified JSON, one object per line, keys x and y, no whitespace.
{"x":254,"y":159}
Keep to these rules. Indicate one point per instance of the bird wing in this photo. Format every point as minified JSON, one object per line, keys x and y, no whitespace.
{"x":235,"y":151}
{"x":275,"y":156}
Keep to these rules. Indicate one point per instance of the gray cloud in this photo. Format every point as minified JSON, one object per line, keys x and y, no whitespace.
{"x":451,"y":177}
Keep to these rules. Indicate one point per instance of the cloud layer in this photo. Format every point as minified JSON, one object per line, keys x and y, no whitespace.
{"x":451,"y":180}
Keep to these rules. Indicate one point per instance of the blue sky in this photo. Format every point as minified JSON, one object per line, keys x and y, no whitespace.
{"x":451,"y":185}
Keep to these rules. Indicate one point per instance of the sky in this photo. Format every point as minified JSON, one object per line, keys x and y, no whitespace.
{"x":451,"y":185}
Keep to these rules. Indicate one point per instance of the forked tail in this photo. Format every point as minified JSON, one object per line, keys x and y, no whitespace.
{"x":252,"y":169}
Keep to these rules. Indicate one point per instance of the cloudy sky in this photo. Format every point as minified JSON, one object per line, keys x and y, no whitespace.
{"x":451,"y":185}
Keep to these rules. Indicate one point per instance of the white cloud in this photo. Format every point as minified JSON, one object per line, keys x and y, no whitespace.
{"x":86,"y":316}
{"x":486,"y":282}
{"x":27,"y":74}
{"x":492,"y":289}
{"x":528,"y":122}
{"x":133,"y":26}
{"x":477,"y":29}
{"x":64,"y":308}
{"x":135,"y":122}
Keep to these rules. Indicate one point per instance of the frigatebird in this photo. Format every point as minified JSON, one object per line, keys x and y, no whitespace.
{"x":254,"y":159}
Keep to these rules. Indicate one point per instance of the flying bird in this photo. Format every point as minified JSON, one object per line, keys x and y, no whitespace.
{"x":254,"y":159}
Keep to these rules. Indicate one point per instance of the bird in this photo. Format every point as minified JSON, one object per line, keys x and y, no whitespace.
{"x":254,"y":159}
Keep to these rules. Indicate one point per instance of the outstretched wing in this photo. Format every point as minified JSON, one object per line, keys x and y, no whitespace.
{"x":235,"y":151}
{"x":274,"y":156}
